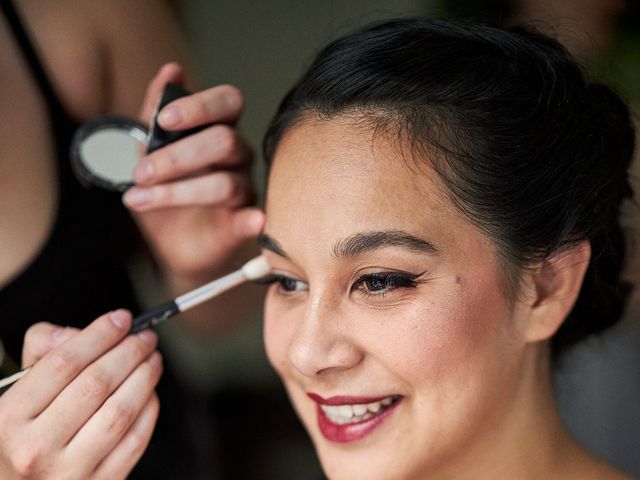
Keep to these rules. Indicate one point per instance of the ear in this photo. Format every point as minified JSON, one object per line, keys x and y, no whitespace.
{"x":557,"y":283}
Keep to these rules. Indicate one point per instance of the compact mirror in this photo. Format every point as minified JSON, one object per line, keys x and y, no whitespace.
{"x":106,"y":150}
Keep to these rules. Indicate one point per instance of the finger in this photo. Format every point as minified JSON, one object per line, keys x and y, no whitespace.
{"x":41,"y":338}
{"x":218,"y":188}
{"x":221,"y":104}
{"x":219,"y":146}
{"x":60,"y":366}
{"x":125,"y":456}
{"x":169,"y":73}
{"x":247,"y":223}
{"x":86,"y":393}
{"x":109,"y":425}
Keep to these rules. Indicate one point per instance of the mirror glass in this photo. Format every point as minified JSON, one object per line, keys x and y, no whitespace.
{"x":105,"y":151}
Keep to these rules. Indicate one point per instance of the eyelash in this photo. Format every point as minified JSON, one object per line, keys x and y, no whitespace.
{"x":283,"y":281}
{"x":382,"y":283}
{"x":371,"y":284}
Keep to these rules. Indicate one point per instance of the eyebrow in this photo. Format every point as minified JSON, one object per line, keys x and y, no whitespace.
{"x":270,"y":243}
{"x":366,"y":241}
{"x":362,"y":242}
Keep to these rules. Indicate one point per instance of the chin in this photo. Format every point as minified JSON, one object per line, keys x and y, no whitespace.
{"x":366,"y":459}
{"x":365,"y":465}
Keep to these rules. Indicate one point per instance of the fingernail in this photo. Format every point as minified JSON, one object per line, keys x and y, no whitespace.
{"x":146,"y":336}
{"x":144,"y":171}
{"x":155,"y":359}
{"x":119,"y":318}
{"x":167,"y":66}
{"x":58,"y":334}
{"x":256,"y":223}
{"x":170,"y":116}
{"x":136,"y":197}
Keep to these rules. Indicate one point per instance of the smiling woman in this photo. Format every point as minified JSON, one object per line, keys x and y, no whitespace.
{"x":441,"y":221}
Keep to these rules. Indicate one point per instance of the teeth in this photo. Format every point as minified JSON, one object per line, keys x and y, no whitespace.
{"x":342,"y":414}
{"x":345,"y":411}
{"x":359,"y":409}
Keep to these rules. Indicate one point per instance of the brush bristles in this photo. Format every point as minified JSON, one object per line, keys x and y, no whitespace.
{"x":256,"y":268}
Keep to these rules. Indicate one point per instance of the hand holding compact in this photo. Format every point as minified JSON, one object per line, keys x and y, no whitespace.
{"x":86,"y":409}
{"x":193,"y":197}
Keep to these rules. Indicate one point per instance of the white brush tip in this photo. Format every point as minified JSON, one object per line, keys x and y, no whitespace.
{"x":256,"y":268}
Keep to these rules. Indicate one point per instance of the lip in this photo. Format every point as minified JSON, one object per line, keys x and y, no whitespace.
{"x":351,"y":432}
{"x":345,"y":400}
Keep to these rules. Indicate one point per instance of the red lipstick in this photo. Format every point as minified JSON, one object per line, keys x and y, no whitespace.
{"x":350,"y":430}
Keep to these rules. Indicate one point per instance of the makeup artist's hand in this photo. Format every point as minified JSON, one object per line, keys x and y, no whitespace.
{"x":193,"y":199}
{"x":87,"y":407}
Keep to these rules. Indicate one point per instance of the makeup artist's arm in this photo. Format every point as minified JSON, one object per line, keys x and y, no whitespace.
{"x":195,"y":229}
{"x":193,"y":199}
{"x":101,"y":55}
{"x":135,"y":40}
{"x":87,"y":407}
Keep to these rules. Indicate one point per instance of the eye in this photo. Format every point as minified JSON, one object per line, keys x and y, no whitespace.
{"x":286,"y":285}
{"x":379,"y":284}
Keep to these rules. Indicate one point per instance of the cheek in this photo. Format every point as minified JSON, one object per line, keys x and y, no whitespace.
{"x":457,"y":340}
{"x":278,"y":332}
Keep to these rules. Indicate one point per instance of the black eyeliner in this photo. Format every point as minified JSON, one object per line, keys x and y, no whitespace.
{"x":271,"y":279}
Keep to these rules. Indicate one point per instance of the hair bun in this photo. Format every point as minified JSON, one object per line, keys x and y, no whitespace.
{"x":616,"y":129}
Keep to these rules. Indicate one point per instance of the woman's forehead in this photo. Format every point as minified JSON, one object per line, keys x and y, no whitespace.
{"x":330,"y":183}
{"x":345,"y":150}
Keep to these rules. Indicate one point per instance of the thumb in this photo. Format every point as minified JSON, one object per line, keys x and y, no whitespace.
{"x":169,"y":73}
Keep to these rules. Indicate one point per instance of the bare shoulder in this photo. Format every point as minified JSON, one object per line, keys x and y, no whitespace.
{"x":101,"y":55}
{"x":596,"y":469}
{"x":579,"y":464}
{"x":611,"y":473}
{"x":140,"y":37}
{"x":67,"y":39}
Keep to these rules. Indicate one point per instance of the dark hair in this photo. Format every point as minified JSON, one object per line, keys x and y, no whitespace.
{"x":530,"y":152}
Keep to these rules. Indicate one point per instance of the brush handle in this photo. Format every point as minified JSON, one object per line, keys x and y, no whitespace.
{"x":154,"y":316}
{"x":141,"y":322}
{"x":159,"y":137}
{"x":252,"y":270}
{"x":7,"y":382}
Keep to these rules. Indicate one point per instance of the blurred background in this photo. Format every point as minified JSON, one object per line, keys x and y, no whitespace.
{"x":262,"y":47}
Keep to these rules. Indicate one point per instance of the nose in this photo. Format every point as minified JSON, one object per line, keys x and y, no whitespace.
{"x":322,"y":344}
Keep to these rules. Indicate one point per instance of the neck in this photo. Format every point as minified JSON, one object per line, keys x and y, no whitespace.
{"x":525,"y":439}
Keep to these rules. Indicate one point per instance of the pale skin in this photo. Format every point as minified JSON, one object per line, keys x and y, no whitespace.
{"x":94,"y":415}
{"x":468,"y":360}
{"x":106,"y":57}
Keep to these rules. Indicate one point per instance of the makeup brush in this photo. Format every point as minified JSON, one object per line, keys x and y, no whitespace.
{"x":254,"y":269}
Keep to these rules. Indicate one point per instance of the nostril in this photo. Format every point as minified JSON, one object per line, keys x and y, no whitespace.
{"x":314,"y":355}
{"x":306,"y":358}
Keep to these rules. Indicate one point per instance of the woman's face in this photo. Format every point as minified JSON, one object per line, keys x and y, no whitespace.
{"x":388,"y":322}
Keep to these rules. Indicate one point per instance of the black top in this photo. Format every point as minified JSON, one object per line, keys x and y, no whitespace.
{"x":80,"y":273}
